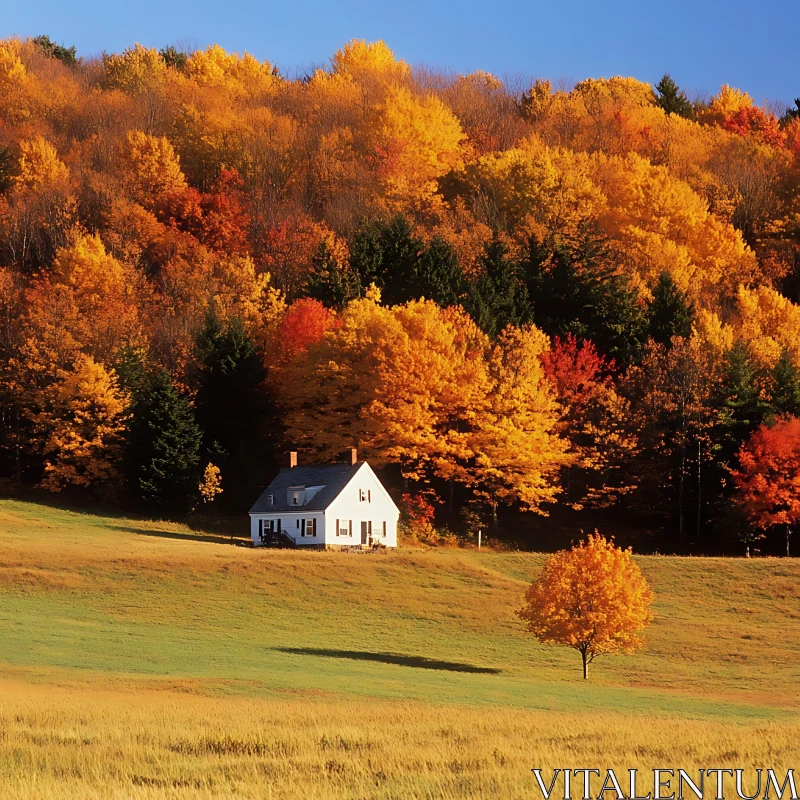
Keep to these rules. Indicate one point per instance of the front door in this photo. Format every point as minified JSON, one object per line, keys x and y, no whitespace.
{"x":365,"y":533}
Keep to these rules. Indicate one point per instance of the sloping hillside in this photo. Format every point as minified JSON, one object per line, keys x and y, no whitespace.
{"x":104,"y":616}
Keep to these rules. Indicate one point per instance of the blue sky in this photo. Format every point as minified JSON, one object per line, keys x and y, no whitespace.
{"x":752,"y":45}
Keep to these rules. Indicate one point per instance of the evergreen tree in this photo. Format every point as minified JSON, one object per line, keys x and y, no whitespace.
{"x":670,"y":313}
{"x":403,"y":267}
{"x":437,"y":275}
{"x":498,"y":297}
{"x":576,"y":290}
{"x":791,"y":113}
{"x":174,"y":57}
{"x":741,"y":405}
{"x":130,"y":365}
{"x":163,"y":461}
{"x":785,"y":387}
{"x":330,"y":282}
{"x":234,"y":407}
{"x":66,"y":55}
{"x":672,"y":99}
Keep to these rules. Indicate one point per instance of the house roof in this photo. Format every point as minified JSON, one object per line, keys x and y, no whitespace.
{"x":333,"y":477}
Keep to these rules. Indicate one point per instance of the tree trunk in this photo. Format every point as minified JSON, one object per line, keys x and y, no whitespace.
{"x":494,"y":518}
{"x":450,"y":500}
{"x":17,"y":450}
{"x":699,"y":486}
{"x":585,"y":657}
{"x":681,"y":527}
{"x":788,"y":539}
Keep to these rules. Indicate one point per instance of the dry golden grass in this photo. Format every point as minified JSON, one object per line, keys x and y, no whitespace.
{"x":88,"y":741}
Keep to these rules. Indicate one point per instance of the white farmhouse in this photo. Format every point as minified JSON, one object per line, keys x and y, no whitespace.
{"x":332,"y":505}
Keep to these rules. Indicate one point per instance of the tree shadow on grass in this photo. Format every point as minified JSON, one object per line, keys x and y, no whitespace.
{"x":420,"y":662}
{"x":190,"y":537}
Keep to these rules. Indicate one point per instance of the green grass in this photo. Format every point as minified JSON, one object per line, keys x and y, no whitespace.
{"x":86,"y":597}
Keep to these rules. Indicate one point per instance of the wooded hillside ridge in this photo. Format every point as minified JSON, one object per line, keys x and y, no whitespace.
{"x":579,"y":302}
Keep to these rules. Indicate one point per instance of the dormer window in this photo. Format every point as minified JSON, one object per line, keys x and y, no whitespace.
{"x":296,"y":496}
{"x":271,"y":499}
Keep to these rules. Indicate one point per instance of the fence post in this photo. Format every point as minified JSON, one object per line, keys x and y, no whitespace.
{"x":479,"y":539}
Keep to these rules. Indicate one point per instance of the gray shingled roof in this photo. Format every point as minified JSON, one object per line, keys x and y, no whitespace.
{"x":334,"y":477}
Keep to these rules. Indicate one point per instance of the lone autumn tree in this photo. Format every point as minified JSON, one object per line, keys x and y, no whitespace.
{"x":768,"y":479}
{"x":592,"y":598}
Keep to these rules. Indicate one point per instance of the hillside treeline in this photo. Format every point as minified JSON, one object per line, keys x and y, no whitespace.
{"x":578,"y":302}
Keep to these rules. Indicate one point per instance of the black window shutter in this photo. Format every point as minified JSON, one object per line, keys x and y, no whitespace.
{"x":315,"y":526}
{"x":261,"y":529}
{"x":337,"y":527}
{"x":302,"y":527}
{"x":279,"y":526}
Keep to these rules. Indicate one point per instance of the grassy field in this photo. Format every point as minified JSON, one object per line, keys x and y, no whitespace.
{"x":142,"y":659}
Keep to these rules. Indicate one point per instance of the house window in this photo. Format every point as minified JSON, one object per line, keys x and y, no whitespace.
{"x":311,"y":527}
{"x":344,"y":527}
{"x":379,"y":529}
{"x":296,"y":498}
{"x":364,"y":495}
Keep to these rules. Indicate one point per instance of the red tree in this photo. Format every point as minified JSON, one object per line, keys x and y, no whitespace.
{"x":572,"y":367}
{"x":755,"y":122}
{"x":768,"y":478}
{"x":305,"y":323}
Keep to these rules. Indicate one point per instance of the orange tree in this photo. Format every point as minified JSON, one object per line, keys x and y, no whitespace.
{"x":592,"y":598}
{"x":768,"y":478}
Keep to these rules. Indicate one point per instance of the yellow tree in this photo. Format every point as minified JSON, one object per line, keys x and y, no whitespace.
{"x":155,"y":168}
{"x":415,"y":141}
{"x":432,"y":384}
{"x":661,"y":224}
{"x":372,"y":61}
{"x":134,"y":70}
{"x":15,"y":81}
{"x":531,"y":188}
{"x":592,"y":598}
{"x":39,"y":164}
{"x":517,"y":451}
{"x":211,"y":485}
{"x":238,"y":74}
{"x":80,"y":426}
{"x":724,"y":104}
{"x":106,"y":292}
{"x":769,"y":323}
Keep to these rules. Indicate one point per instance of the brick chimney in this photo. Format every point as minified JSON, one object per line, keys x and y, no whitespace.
{"x":292,"y":459}
{"x":353,"y":456}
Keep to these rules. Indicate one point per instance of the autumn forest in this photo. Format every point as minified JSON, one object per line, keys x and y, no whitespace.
{"x":538,"y":309}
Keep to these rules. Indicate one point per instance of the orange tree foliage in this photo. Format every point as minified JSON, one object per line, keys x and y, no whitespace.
{"x":768,"y":478}
{"x":592,"y":598}
{"x":80,"y":426}
{"x":424,"y":388}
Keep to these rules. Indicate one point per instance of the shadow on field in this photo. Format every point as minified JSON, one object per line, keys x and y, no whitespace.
{"x":420,"y":662}
{"x":192,"y":537}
